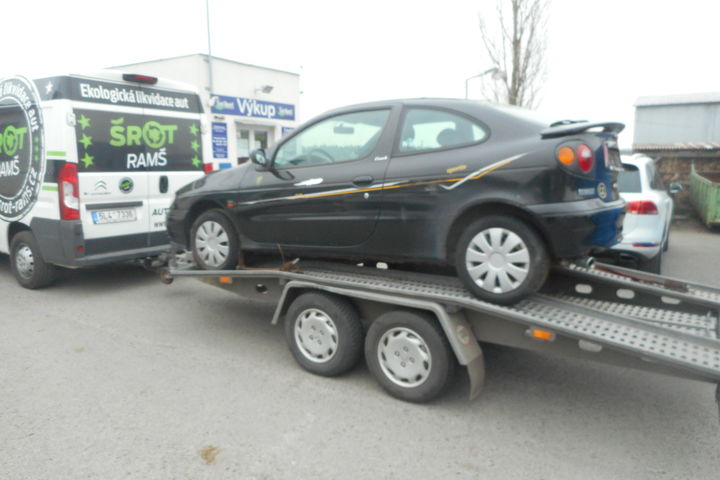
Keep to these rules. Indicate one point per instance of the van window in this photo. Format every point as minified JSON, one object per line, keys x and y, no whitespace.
{"x":125,"y":142}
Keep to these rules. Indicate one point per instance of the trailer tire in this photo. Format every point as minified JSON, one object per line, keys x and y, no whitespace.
{"x":214,"y":242}
{"x":324,"y":333}
{"x":409,"y":356}
{"x":27,"y":263}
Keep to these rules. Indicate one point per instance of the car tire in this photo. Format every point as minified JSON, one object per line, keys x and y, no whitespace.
{"x":409,"y":356}
{"x":27,"y":263}
{"x":214,"y":242}
{"x":652,"y":265}
{"x":666,"y":245}
{"x":324,"y":333}
{"x":508,"y":280}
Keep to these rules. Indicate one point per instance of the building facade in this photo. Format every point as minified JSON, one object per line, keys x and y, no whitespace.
{"x":247,"y":106}
{"x":680,"y":132}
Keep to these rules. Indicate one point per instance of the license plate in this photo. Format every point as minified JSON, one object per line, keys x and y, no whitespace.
{"x":113,"y":216}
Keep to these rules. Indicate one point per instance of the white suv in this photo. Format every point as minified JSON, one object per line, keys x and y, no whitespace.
{"x":646,"y":228}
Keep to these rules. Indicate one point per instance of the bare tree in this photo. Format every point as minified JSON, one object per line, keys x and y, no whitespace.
{"x":515,"y":43}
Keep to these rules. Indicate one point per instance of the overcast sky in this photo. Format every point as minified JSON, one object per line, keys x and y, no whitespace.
{"x":601,"y":55}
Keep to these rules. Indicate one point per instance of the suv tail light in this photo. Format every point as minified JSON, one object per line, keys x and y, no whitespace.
{"x":68,"y":192}
{"x":207,"y":167}
{"x":642,"y":207}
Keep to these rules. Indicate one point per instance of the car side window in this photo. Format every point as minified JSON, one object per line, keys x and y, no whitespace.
{"x":342,"y":138}
{"x":427,"y":129}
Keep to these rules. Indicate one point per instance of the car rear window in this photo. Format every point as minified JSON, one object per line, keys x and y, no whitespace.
{"x":629,"y":180}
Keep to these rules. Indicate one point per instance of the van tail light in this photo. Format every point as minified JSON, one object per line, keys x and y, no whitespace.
{"x":586,"y":159}
{"x":642,"y":207}
{"x":68,"y":192}
{"x":207,"y":167}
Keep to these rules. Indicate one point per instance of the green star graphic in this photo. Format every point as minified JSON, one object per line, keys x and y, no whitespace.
{"x":194,"y":129}
{"x":86,"y":141}
{"x":194,"y":145}
{"x":195,"y":161}
{"x":84,"y":121}
{"x":87,"y":160}
{"x":37,"y":157}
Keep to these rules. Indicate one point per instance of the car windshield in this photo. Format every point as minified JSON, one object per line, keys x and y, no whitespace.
{"x":629,"y":180}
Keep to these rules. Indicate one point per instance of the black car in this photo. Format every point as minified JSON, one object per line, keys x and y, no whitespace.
{"x":485,"y":189}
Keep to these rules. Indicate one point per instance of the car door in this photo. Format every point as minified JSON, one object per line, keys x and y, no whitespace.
{"x":431,"y":149}
{"x":324,"y":187}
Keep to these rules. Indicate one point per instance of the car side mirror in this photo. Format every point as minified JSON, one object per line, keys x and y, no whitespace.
{"x":675,"y":188}
{"x":259,"y":158}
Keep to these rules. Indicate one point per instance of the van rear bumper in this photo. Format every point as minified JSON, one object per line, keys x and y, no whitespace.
{"x":62,"y":243}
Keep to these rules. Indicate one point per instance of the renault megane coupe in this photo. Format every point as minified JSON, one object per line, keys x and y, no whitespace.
{"x":489,"y":191}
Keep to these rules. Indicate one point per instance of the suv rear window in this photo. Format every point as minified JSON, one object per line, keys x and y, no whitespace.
{"x":629,"y":180}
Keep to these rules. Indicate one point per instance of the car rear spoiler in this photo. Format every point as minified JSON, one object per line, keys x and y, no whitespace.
{"x":565,"y":129}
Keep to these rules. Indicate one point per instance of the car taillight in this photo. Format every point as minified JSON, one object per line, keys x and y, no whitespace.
{"x":585,"y":158}
{"x":68,"y":192}
{"x":642,"y":207}
{"x":207,"y":168}
{"x":566,"y":155}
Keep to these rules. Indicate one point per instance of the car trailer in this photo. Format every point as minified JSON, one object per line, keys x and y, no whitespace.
{"x":413,"y":327}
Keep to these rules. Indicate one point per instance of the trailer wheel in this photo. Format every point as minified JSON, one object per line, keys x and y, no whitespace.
{"x":409,"y":355}
{"x":324,"y":333}
{"x":27,"y":264}
{"x":214,"y":242}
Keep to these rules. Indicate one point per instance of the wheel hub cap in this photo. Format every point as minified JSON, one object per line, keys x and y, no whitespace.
{"x":404,"y":357}
{"x":24,"y":262}
{"x":212,"y":243}
{"x":497,"y":260}
{"x":316,"y":335}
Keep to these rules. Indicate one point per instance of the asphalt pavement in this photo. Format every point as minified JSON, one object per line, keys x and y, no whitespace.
{"x":111,"y":374}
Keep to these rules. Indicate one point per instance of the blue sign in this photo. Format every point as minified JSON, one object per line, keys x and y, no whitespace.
{"x":287,"y":130}
{"x":219,"y":140}
{"x":249,"y":107}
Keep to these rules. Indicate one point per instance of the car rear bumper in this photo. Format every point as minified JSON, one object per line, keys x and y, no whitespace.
{"x":577,"y":229}
{"x":645,"y":252}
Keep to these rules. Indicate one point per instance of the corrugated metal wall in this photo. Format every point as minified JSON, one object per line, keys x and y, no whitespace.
{"x":668,"y":124}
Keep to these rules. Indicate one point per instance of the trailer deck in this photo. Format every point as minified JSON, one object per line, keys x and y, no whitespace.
{"x":604,"y":313}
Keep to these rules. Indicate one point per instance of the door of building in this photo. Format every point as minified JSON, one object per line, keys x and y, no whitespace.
{"x":249,"y":138}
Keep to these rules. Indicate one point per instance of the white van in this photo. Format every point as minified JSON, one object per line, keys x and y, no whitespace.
{"x":89,"y":165}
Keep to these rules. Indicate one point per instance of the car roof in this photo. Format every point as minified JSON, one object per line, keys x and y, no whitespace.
{"x":637,"y":159}
{"x":476,"y":108}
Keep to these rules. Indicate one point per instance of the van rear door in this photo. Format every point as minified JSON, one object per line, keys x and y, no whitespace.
{"x":173,"y":154}
{"x":113,"y":194}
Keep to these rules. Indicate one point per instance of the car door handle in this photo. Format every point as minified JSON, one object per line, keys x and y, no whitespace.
{"x":362,"y":181}
{"x":164,"y":184}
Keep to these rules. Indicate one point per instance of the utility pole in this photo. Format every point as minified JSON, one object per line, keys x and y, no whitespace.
{"x":209,"y":56}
